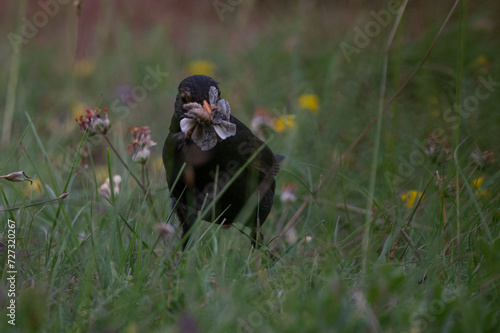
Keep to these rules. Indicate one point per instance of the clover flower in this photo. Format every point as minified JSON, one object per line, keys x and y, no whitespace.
{"x":260,"y":121}
{"x":288,"y":195}
{"x":93,"y":122}
{"x":105,"y":188}
{"x":483,"y":158}
{"x":140,"y":149}
{"x":164,"y":230}
{"x":437,"y":148}
{"x":291,"y":236}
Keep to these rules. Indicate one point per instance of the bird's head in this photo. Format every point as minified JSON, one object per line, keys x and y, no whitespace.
{"x":195,"y":89}
{"x":204,"y":116}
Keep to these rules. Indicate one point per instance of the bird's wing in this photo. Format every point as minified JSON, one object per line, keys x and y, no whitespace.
{"x":265,"y":162}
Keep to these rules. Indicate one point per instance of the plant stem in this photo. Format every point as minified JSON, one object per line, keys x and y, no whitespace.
{"x":143,"y":188}
{"x":376,"y":146}
{"x":125,"y":164}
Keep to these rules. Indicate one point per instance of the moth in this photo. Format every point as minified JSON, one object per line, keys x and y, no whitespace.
{"x":208,"y":123}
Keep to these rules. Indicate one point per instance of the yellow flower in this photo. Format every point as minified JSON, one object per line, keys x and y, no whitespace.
{"x":481,"y":60}
{"x":281,"y":123}
{"x":289,"y":120}
{"x":84,"y":67}
{"x":278,"y":125}
{"x":476,"y":185}
{"x":309,"y":102}
{"x":482,"y":64}
{"x":410,"y":197}
{"x":204,"y":67}
{"x":37,"y":187}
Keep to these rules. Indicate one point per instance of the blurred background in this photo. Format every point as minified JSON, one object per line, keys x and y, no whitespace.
{"x":306,"y":77}
{"x":61,"y":57}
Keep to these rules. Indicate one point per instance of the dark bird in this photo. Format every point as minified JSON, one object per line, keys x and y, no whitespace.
{"x":214,"y":163}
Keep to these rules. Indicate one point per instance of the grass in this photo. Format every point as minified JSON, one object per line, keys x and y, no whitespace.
{"x":363,"y":259}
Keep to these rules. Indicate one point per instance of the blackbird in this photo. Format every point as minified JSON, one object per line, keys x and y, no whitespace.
{"x":214,"y":164}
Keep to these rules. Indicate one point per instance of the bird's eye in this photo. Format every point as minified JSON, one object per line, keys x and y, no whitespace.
{"x":185,"y":97}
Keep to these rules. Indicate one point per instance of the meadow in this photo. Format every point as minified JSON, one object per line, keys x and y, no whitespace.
{"x":386,"y":214}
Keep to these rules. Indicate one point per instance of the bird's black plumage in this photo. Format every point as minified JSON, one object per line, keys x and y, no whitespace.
{"x":202,"y":174}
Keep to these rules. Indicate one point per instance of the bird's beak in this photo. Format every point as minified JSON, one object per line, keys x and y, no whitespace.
{"x":207,"y":107}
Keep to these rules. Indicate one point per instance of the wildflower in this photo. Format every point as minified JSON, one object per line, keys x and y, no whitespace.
{"x":140,"y":149}
{"x":260,"y":121}
{"x":281,"y":123}
{"x":309,"y":102}
{"x":81,"y":236}
{"x":164,"y":229}
{"x":124,"y":92}
{"x":477,"y":187}
{"x":483,"y":158}
{"x":17,"y":177}
{"x":84,"y":67}
{"x":437,"y":148}
{"x":288,"y":195}
{"x":309,"y":239}
{"x":204,"y":67}
{"x":291,"y":236}
{"x":476,"y":183}
{"x":105,"y":188}
{"x":92,"y":121}
{"x":410,"y":197}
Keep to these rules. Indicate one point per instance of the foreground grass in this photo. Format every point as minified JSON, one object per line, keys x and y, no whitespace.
{"x":87,"y":263}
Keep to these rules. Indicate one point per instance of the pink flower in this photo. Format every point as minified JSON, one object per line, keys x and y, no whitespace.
{"x":92,"y":121}
{"x":260,"y":121}
{"x":140,"y":149}
{"x":288,"y":195}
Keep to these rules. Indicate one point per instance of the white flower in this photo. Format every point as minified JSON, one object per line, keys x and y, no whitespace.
{"x":288,"y":195}
{"x":291,"y":236}
{"x":105,"y":188}
{"x":140,"y":149}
